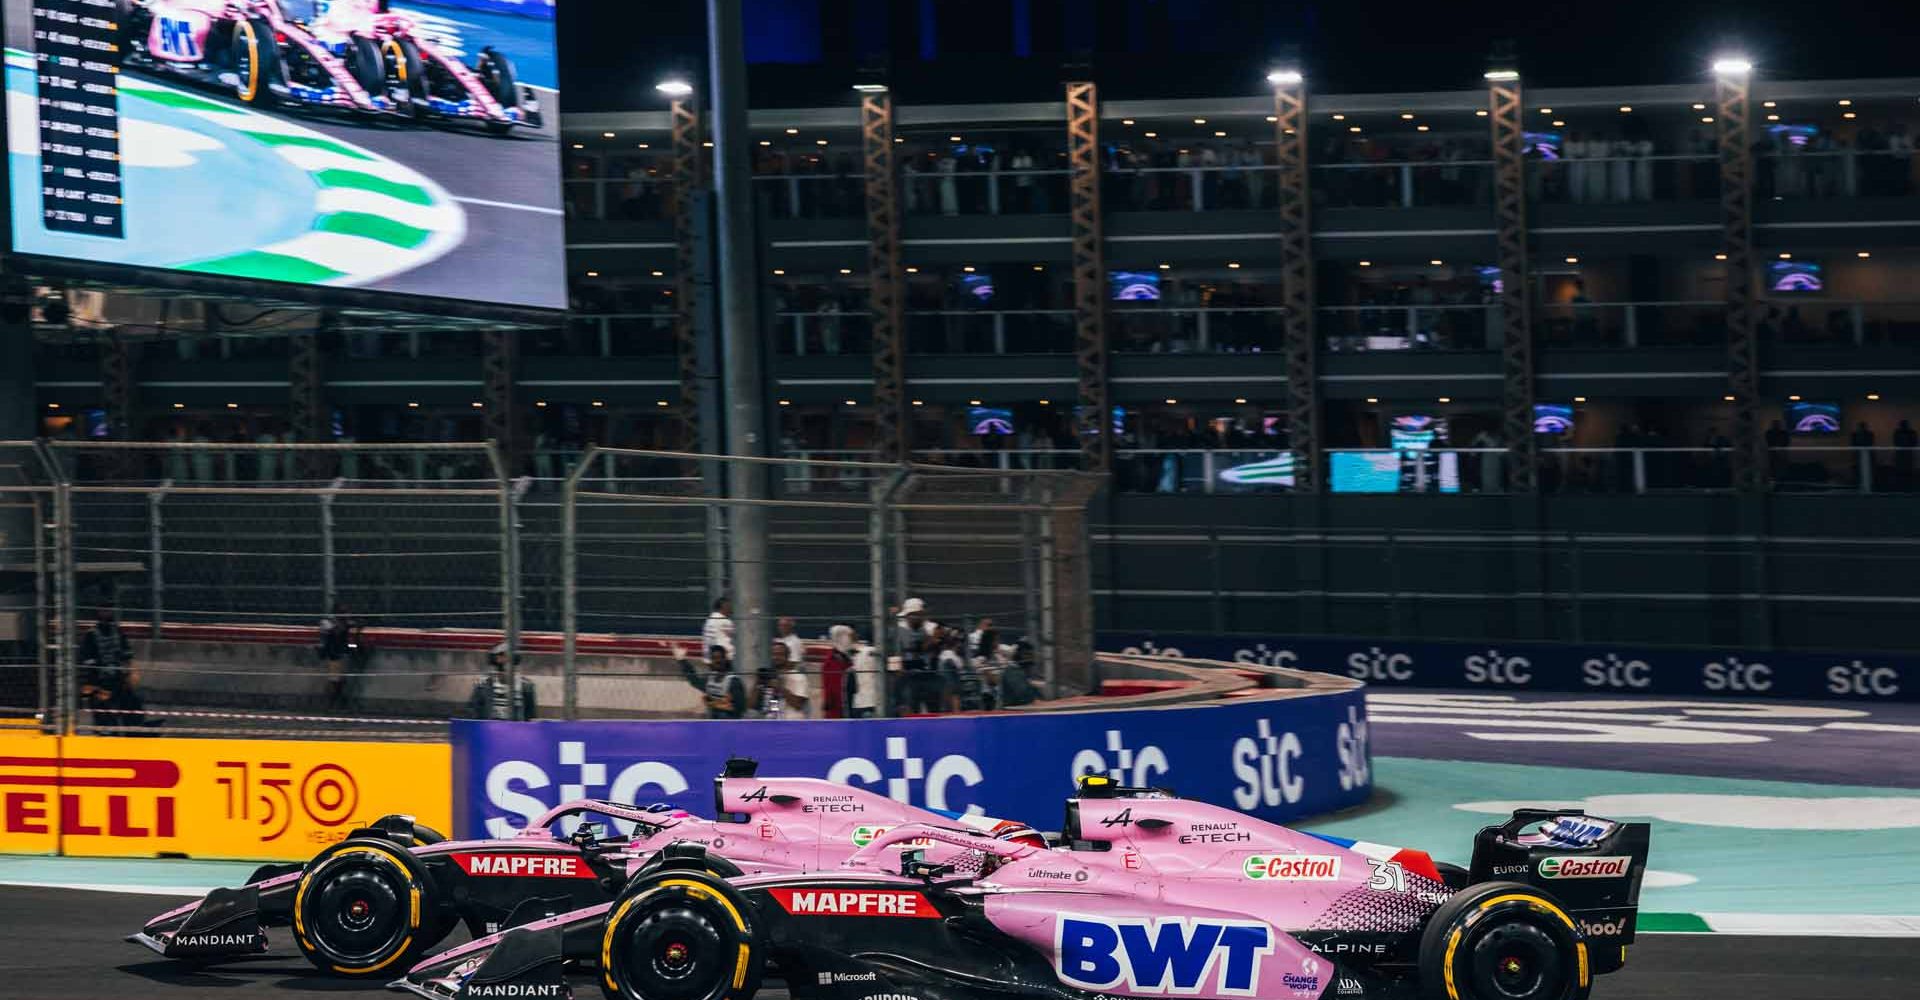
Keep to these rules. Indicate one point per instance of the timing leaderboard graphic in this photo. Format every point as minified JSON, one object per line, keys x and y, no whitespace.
{"x":341,"y":143}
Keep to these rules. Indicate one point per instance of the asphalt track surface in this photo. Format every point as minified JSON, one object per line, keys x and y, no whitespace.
{"x":64,"y":944}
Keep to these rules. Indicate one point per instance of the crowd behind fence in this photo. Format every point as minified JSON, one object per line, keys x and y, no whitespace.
{"x":340,"y":589}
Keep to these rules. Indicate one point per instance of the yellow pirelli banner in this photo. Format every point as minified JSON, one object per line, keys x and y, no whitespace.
{"x":267,"y":800}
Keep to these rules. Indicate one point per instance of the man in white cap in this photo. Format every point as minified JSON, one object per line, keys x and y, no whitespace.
{"x":914,"y":641}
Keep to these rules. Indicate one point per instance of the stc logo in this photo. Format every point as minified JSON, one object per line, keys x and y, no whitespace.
{"x":1374,"y":665}
{"x":1160,"y":956}
{"x":1264,"y":765}
{"x":1733,"y":675}
{"x":1356,"y":767}
{"x":862,"y":772}
{"x":1496,"y":669}
{"x":31,"y":788}
{"x":1859,"y":679}
{"x":509,"y":782}
{"x":1613,"y":672}
{"x":1263,"y":656}
{"x":1148,"y":648}
{"x":1128,"y":766}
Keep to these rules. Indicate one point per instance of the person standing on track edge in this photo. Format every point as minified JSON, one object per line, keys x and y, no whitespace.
{"x":920,"y":682}
{"x":726,"y":696}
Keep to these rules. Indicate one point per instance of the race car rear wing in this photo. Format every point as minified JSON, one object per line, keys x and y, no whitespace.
{"x":1591,"y":865}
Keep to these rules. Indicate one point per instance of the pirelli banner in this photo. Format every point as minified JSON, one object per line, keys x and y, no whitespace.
{"x":265,"y":800}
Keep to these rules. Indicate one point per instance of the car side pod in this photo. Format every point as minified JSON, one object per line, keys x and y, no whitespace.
{"x":225,"y":925}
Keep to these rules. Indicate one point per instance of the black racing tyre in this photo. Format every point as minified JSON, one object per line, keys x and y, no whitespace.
{"x":1453,"y":877}
{"x":367,"y":61}
{"x":680,"y":935}
{"x":424,"y":835}
{"x":1502,"y":941}
{"x":256,"y":61}
{"x":406,"y":75}
{"x":365,"y":907}
{"x":496,"y":71}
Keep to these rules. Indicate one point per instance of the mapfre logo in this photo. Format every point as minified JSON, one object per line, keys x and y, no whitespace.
{"x":522,"y":865}
{"x":88,"y":797}
{"x":854,"y":903}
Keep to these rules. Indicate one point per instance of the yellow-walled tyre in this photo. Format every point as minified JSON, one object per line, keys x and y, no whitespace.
{"x":366,"y":908}
{"x":680,"y":935}
{"x":1503,"y":941}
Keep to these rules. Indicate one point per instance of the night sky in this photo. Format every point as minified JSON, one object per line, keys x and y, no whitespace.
{"x":805,"y":52}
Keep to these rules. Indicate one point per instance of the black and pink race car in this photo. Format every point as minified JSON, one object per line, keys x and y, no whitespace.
{"x":347,"y":55}
{"x":386,"y":895}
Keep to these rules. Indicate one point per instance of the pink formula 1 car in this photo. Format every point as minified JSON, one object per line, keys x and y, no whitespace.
{"x":347,"y":55}
{"x":387,"y":894}
{"x":1151,"y":896}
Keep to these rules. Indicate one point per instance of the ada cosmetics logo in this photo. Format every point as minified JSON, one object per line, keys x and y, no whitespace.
{"x":1264,"y":765}
{"x":1608,"y":867}
{"x":1127,"y":765}
{"x":1160,"y":956}
{"x":936,"y":781}
{"x":1492,"y":668}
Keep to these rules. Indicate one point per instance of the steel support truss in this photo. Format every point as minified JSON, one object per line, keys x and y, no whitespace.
{"x":307,"y":415}
{"x":1296,"y":285}
{"x":1732,"y":125}
{"x":893,"y":432}
{"x":1515,"y":293}
{"x":685,"y":183}
{"x":1089,"y":277}
{"x":498,"y":363}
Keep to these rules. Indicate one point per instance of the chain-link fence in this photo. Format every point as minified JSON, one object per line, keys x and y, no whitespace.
{"x":193,"y":588}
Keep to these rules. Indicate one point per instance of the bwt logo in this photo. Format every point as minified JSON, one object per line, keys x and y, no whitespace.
{"x":1733,"y":675}
{"x":862,"y":772}
{"x":1264,"y":765}
{"x":1160,"y":956}
{"x":1128,"y":767}
{"x":132,"y":803}
{"x":1859,"y":679}
{"x":1496,"y":669}
{"x":1356,"y":770}
{"x":509,"y":782}
{"x":177,"y":37}
{"x":1613,"y":672}
{"x":1265,"y":657}
{"x":1374,"y":665}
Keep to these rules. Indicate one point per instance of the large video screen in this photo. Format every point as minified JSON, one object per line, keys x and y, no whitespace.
{"x":406,"y":146}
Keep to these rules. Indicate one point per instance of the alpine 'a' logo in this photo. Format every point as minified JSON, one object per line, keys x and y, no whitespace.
{"x":523,"y":865}
{"x":889,"y":903}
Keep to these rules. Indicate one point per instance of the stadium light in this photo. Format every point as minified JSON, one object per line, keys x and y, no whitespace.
{"x":1732,"y":66}
{"x":1285,"y":78}
{"x":674,"y":87}
{"x":1501,"y":75}
{"x":870,"y":88}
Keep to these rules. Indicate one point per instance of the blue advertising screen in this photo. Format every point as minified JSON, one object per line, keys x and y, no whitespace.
{"x":408,"y":147}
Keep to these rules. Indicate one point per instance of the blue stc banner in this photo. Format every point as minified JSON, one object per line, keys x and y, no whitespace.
{"x":1555,"y":667}
{"x":1274,"y":758}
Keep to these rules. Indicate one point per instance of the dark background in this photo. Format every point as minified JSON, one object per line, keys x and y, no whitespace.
{"x":805,"y":52}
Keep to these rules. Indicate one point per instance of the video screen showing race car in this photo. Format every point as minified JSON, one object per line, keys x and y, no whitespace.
{"x":406,"y":146}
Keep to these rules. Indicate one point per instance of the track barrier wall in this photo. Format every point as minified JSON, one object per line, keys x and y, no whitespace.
{"x":1543,"y":667}
{"x":103,"y":796}
{"x":1275,"y":757}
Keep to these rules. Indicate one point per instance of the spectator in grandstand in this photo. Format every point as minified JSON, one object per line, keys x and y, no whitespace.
{"x":953,"y":668}
{"x":339,"y":641}
{"x":864,"y":682}
{"x":1862,"y":436}
{"x":914,"y":642}
{"x":493,"y":698}
{"x":718,"y":630}
{"x":784,"y":635}
{"x":1015,"y":688}
{"x":792,"y":693}
{"x":836,"y":673}
{"x":110,"y":678}
{"x":1905,"y":441}
{"x":983,"y":643}
{"x":726,"y":696}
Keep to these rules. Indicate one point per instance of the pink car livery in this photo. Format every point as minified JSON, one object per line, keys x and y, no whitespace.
{"x":1148,"y":896}
{"x":347,"y":55}
{"x":387,"y":894}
